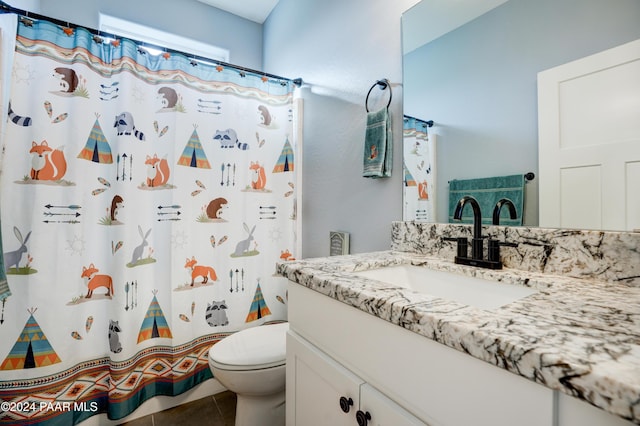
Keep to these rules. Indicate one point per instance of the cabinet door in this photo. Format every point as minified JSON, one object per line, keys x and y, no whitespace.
{"x":318,"y":388}
{"x":574,"y":412}
{"x":383,"y":411}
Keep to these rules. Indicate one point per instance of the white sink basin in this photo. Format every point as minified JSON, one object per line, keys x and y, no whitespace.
{"x":471,"y":291}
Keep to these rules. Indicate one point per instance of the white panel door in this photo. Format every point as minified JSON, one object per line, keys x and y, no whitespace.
{"x":589,"y":141}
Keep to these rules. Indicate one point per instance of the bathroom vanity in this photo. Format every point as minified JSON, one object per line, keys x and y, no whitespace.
{"x":360,"y":348}
{"x":335,"y":352}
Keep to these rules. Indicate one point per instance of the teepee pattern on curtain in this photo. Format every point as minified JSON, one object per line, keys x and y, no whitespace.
{"x":154,"y":324}
{"x":145,"y":201}
{"x":419,"y":149}
{"x":31,"y":350}
{"x":97,"y":148}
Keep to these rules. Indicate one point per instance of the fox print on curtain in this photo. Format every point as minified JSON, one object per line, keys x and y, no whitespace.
{"x":145,"y":201}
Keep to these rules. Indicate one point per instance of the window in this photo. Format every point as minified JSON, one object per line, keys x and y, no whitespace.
{"x":156,"y":37}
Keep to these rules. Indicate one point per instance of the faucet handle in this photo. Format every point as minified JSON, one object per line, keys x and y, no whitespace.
{"x":494,"y":249}
{"x":462,"y":245}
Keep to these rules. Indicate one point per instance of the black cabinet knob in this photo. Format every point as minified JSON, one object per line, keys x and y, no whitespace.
{"x":362,"y":417}
{"x":345,"y":404}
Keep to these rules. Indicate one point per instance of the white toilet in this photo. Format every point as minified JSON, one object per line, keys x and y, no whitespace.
{"x":251,"y":363}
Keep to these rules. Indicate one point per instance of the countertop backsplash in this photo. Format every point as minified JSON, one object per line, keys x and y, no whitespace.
{"x":601,"y":255}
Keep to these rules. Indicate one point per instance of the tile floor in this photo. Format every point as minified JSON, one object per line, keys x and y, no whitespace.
{"x":216,"y":410}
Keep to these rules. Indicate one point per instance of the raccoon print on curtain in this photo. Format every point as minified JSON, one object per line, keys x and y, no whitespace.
{"x":145,"y":201}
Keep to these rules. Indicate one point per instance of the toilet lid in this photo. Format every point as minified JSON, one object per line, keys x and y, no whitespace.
{"x":263,"y":346}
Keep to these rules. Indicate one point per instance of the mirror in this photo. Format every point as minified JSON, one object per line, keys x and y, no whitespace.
{"x":471,"y":67}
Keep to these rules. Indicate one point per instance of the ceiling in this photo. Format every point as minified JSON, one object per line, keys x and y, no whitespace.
{"x":431,"y":19}
{"x":427,"y":19}
{"x":254,"y":10}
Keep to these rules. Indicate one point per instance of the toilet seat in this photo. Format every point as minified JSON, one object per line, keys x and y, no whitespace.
{"x":251,"y":349}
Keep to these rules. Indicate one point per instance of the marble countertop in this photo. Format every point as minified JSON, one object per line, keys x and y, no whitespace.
{"x":581,"y":337}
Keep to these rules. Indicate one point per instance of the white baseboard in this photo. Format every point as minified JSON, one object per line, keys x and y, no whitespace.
{"x":160,"y":403}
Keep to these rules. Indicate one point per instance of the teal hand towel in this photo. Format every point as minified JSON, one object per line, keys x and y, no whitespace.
{"x":488,"y":191}
{"x":378,"y":145}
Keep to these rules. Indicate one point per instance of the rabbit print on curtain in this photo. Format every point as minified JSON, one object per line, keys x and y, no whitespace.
{"x":145,"y":202}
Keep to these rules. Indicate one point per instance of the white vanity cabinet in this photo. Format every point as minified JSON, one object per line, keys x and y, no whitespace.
{"x":373,"y":360}
{"x":574,"y":412}
{"x":383,"y":411}
{"x":321,"y":392}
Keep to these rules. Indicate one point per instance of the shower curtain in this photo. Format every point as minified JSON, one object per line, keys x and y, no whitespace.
{"x":145,"y":200}
{"x":419,"y":158}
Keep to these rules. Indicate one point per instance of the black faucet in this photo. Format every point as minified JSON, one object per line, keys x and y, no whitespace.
{"x":496,"y":210}
{"x":477,"y":242}
{"x":494,"y":245}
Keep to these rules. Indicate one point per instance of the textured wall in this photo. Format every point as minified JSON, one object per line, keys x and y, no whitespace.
{"x":341,"y":48}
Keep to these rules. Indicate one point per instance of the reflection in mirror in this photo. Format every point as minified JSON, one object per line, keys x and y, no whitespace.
{"x":419,"y":155}
{"x":478,"y":82}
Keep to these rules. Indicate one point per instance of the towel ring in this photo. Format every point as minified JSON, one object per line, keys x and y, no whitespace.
{"x":384,"y":84}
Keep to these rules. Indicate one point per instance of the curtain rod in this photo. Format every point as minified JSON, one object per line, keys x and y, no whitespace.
{"x":6,"y":8}
{"x":427,"y":123}
{"x":528,"y":177}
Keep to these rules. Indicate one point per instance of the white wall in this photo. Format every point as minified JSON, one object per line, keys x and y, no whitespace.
{"x":341,"y":48}
{"x":30,"y":5}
